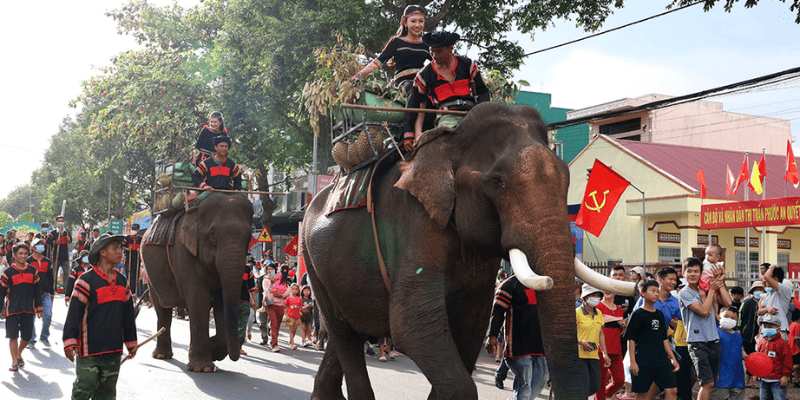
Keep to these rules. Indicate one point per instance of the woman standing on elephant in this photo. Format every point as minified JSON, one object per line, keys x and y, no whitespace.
{"x":205,"y":143}
{"x":279,"y":289}
{"x":406,"y":52}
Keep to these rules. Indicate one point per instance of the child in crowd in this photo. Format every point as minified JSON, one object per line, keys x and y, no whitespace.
{"x":294,"y":304}
{"x":306,"y":316}
{"x":773,"y":386}
{"x":649,"y":349}
{"x":713,"y":254}
{"x":730,"y":384}
{"x":794,"y":344}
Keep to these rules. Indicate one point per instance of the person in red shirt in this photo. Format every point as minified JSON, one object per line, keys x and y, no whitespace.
{"x":773,"y":385}
{"x":794,"y":343}
{"x":613,"y":326}
{"x":294,"y":306}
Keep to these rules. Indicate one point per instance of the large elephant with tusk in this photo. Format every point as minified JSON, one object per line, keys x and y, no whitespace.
{"x":443,"y":219}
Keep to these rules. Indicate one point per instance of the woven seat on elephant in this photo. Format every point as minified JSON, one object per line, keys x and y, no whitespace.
{"x":162,"y":231}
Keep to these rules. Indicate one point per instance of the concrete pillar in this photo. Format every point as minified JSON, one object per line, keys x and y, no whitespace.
{"x":688,"y":240}
{"x":770,"y":248}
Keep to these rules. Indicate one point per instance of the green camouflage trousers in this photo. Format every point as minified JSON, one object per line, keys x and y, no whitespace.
{"x":96,"y":377}
{"x":448,"y":120}
{"x":244,"y":315}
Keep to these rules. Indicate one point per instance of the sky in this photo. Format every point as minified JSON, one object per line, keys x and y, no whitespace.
{"x":52,"y":46}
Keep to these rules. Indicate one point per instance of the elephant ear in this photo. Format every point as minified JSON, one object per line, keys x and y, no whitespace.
{"x":188,"y":235}
{"x":429,"y":176}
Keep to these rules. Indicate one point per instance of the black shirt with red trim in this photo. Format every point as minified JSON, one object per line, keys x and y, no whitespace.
{"x":22,"y":288}
{"x":205,"y":142}
{"x":515,"y":306}
{"x":80,"y":245}
{"x":224,"y":176}
{"x":74,"y":274}
{"x":58,"y":243}
{"x":409,"y":57}
{"x":439,"y":90}
{"x":45,"y":270}
{"x":132,"y":255}
{"x":248,"y":284}
{"x":100,"y":319}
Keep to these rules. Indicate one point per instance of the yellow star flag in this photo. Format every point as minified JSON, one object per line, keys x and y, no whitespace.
{"x":755,"y":179}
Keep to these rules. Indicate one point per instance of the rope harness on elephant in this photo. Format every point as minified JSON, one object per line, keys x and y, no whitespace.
{"x":371,"y":211}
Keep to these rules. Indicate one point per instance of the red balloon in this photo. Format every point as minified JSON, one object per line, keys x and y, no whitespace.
{"x":758,"y":364}
{"x":291,"y":273}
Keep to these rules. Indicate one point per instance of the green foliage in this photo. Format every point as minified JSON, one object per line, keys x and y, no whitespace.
{"x":728,"y":5}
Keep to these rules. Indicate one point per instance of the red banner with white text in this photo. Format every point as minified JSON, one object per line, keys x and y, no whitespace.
{"x":742,"y":214}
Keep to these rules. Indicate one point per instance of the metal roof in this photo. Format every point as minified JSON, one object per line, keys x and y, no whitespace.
{"x":683,"y":163}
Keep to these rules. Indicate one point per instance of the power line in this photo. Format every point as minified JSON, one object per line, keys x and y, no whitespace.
{"x":738,"y":87}
{"x":610,"y":30}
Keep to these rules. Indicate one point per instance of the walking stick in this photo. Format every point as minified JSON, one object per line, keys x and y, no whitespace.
{"x":128,"y":357}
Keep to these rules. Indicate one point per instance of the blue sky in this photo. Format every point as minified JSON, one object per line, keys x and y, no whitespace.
{"x":54,"y":45}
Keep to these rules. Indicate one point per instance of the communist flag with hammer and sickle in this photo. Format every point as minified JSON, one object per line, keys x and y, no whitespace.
{"x":603,"y":191}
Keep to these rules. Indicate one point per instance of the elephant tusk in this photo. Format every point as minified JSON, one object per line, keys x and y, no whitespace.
{"x":519,"y":263}
{"x":601,"y":282}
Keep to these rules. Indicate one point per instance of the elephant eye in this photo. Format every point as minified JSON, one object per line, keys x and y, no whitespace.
{"x":497,"y":181}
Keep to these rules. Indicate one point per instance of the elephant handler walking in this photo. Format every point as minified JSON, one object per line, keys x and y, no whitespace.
{"x":100,"y":321}
{"x":524,"y":351}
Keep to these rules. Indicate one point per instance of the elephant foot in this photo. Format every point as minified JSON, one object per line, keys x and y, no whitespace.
{"x":200,"y":366}
{"x":327,"y":396}
{"x":219,"y":349}
{"x":162,"y":355}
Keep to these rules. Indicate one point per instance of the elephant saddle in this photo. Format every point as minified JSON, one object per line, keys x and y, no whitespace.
{"x":349,"y":191}
{"x":162,"y":231}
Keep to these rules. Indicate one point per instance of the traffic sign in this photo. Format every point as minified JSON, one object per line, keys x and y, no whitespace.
{"x":264,"y":236}
{"x":116,"y":226}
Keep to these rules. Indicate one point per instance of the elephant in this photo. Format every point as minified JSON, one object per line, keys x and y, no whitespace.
{"x":445,"y":217}
{"x":202,"y":270}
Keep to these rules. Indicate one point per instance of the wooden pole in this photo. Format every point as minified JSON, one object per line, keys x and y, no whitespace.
{"x":406,"y":110}
{"x":232,"y":191}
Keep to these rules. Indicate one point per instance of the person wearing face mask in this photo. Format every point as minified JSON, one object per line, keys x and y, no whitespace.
{"x":773,"y":386}
{"x":748,"y":322}
{"x":131,"y":247}
{"x":59,"y":239}
{"x":777,"y":297}
{"x":730,"y":383}
{"x":44,"y":266}
{"x":82,"y":260}
{"x":590,"y":336}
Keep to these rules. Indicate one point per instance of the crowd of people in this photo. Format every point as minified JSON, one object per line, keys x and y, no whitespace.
{"x":683,"y":327}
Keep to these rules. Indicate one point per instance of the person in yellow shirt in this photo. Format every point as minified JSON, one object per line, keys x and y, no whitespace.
{"x":590,"y":336}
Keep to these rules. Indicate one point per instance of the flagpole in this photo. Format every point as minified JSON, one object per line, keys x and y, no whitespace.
{"x":747,"y":228}
{"x":763,"y":197}
{"x":644,"y":231}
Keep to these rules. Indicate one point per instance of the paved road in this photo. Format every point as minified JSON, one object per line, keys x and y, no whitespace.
{"x":261,"y":374}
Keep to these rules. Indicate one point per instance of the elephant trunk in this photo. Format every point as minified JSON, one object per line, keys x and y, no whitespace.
{"x":549,"y":249}
{"x":230,"y":266}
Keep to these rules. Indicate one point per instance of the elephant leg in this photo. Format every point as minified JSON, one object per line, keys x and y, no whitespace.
{"x":219,"y":346}
{"x":163,"y":350}
{"x":328,"y":383}
{"x":200,"y":359}
{"x":421,"y":303}
{"x":468,"y":330}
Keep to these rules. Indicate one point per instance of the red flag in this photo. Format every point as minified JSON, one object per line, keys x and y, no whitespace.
{"x":743,"y":175}
{"x":702,"y":178}
{"x":729,"y":181}
{"x":291,"y":248}
{"x":791,"y":166}
{"x":253,"y":241}
{"x":603,"y":191}
{"x":762,"y":168}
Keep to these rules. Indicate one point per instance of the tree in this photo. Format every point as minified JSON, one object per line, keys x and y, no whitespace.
{"x":20,"y":201}
{"x":728,"y":5}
